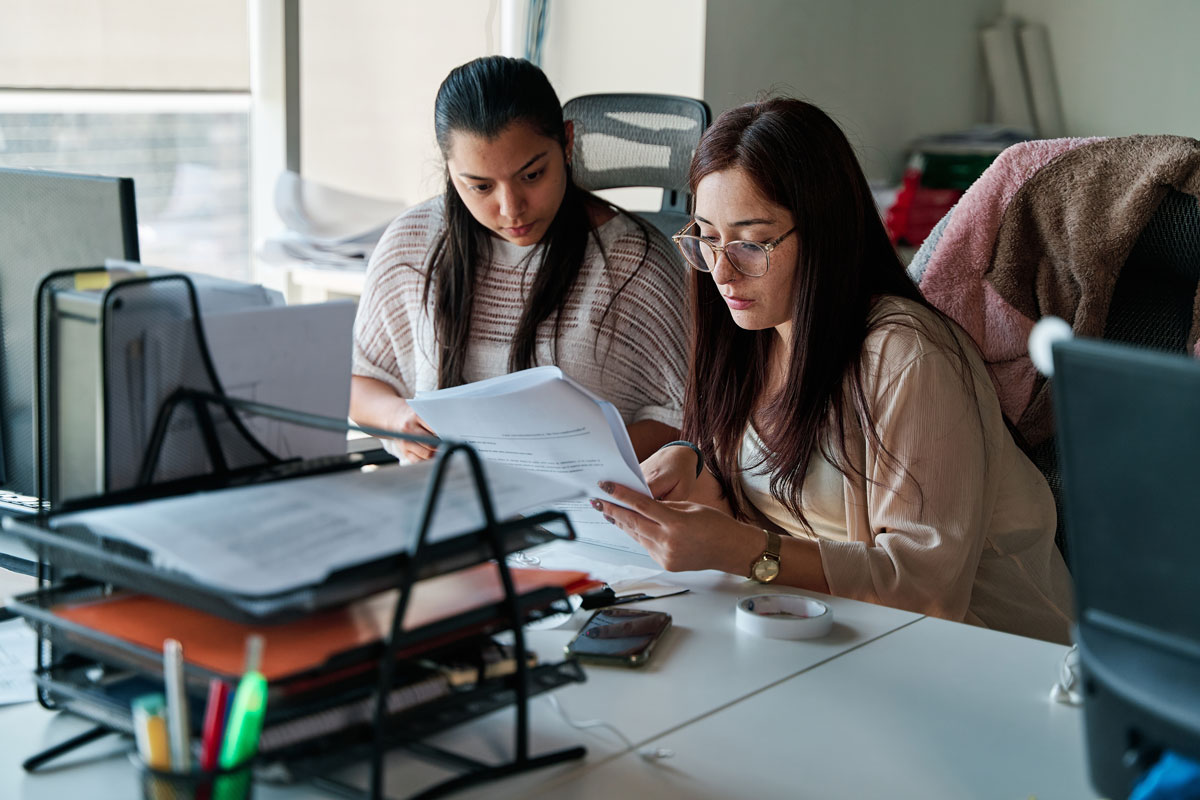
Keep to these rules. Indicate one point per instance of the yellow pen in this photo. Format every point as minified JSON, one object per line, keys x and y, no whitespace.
{"x":150,"y":731}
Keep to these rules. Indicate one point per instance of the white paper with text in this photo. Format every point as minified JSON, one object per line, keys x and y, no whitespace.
{"x":273,"y":537}
{"x":541,"y":421}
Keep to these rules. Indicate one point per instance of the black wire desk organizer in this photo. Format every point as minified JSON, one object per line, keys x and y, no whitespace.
{"x":77,"y":565}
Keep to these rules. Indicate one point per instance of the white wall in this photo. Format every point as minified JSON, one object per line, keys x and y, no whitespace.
{"x":654,"y":46}
{"x":369,"y":72}
{"x":625,"y":46}
{"x":891,"y":71}
{"x":118,"y":44}
{"x":887,"y":71}
{"x":1123,"y":66}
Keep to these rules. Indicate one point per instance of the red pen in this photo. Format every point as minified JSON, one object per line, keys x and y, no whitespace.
{"x":214,"y":724}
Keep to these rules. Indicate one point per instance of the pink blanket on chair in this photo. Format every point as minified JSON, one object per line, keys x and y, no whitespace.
{"x":1045,"y":231}
{"x":954,"y":280}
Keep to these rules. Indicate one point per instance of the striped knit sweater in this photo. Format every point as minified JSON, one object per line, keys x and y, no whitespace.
{"x":635,"y":357}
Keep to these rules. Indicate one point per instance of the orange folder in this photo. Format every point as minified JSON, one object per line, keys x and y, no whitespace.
{"x":290,"y":648}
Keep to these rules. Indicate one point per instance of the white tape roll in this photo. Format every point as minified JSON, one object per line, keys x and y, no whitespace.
{"x":784,"y":616}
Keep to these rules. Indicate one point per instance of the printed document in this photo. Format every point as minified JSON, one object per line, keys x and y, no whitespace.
{"x":274,"y":537}
{"x":542,"y":421}
{"x":16,"y":662}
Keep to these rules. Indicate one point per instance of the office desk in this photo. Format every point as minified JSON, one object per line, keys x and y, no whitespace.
{"x":724,"y":700}
{"x":932,"y":710}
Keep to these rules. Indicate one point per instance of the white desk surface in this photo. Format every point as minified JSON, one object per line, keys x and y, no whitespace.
{"x":717,"y":695}
{"x":933,"y":710}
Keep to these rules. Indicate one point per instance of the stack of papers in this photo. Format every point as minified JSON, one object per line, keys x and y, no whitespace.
{"x":543,"y":422}
{"x":276,"y":537}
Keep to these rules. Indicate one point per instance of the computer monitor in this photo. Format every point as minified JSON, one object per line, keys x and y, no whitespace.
{"x":48,"y":221}
{"x":1129,"y":447}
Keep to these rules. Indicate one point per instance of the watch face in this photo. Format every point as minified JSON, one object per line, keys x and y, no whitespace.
{"x":766,"y":569}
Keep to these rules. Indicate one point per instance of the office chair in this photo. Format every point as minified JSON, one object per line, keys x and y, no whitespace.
{"x":638,"y":140}
{"x":1152,"y":302}
{"x":1104,"y":233}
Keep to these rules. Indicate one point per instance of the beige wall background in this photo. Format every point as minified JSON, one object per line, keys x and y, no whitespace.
{"x":886,"y":71}
{"x":124,"y":44}
{"x":370,"y":70}
{"x":626,"y":46}
{"x":889,"y":71}
{"x":892,"y":71}
{"x":1123,"y":66}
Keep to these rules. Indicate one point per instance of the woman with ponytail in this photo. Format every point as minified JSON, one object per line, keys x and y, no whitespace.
{"x":515,"y":266}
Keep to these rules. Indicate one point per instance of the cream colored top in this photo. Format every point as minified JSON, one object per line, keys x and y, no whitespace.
{"x":975,"y":542}
{"x":822,"y":496}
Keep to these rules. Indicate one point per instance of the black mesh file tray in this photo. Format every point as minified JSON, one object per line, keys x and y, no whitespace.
{"x":199,"y":439}
{"x":77,"y":550}
{"x":198,"y":446}
{"x":84,"y":644}
{"x":96,"y":674}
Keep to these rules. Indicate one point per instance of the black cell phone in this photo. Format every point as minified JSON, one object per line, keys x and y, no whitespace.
{"x":623,"y":636}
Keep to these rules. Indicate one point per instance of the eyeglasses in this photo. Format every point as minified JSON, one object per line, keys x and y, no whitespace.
{"x":752,"y":259}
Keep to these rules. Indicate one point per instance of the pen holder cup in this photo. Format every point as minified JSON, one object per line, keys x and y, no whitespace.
{"x":223,"y":784}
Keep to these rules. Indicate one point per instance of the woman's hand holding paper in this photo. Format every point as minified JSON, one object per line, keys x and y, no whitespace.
{"x":405,"y":420}
{"x":681,"y":535}
{"x":671,"y":473}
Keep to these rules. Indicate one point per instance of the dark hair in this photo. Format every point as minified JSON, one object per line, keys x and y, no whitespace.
{"x":800,"y":160}
{"x":483,"y":97}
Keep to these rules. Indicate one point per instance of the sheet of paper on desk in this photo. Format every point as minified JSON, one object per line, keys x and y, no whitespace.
{"x":16,"y":662}
{"x":317,"y":335}
{"x":540,"y":420}
{"x":299,"y":359}
{"x":273,"y":537}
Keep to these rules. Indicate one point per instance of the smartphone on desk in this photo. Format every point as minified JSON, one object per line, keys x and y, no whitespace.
{"x":619,"y":636}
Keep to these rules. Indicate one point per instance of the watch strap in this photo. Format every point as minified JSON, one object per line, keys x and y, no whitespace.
{"x":770,"y":553}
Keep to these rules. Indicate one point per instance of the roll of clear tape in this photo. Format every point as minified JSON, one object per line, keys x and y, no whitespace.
{"x":784,"y":616}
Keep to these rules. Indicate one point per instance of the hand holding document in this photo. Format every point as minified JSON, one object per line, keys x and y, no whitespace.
{"x":542,"y":421}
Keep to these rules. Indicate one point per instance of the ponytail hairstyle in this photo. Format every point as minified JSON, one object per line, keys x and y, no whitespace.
{"x":482,"y":98}
{"x":799,"y":159}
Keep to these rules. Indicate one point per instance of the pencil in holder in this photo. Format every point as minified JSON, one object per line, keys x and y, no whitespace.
{"x":235,"y":783}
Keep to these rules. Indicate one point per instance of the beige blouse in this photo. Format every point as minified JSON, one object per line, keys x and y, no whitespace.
{"x":968,"y":534}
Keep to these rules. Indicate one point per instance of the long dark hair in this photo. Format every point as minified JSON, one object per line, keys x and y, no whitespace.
{"x":800,"y":160}
{"x":482,"y":98}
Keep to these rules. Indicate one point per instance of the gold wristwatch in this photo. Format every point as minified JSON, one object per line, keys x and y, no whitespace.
{"x":765,"y":568}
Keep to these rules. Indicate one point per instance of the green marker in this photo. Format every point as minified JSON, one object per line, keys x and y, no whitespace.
{"x":244,"y":724}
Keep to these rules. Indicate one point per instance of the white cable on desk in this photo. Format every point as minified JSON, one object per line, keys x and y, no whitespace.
{"x":1066,"y":688}
{"x":648,"y":753}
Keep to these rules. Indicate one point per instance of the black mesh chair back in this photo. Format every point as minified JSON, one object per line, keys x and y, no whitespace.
{"x":1152,"y":302}
{"x":638,"y":140}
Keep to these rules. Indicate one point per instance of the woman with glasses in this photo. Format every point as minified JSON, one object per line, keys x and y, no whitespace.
{"x":515,"y":266}
{"x":848,"y":439}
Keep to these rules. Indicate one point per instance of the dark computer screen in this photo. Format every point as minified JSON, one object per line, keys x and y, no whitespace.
{"x":48,"y":221}
{"x":1128,"y":434}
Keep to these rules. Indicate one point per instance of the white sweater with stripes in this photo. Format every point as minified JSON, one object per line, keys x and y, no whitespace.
{"x":634,"y":355}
